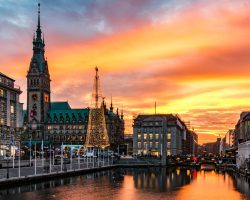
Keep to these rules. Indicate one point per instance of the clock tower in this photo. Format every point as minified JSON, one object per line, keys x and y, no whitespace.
{"x":38,"y":87}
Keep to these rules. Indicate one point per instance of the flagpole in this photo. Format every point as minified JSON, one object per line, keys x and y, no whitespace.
{"x":30,"y":152}
{"x":71,"y":148}
{"x":50,"y":158}
{"x":93,"y":158}
{"x":79,"y":158}
{"x":35,"y":158}
{"x":61,"y":156}
{"x":13,"y":159}
{"x":19,"y":167}
{"x":42,"y":155}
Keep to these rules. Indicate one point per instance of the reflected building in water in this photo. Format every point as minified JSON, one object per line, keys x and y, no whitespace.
{"x":162,"y":179}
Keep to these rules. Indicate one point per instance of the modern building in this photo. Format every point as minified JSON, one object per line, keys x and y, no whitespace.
{"x":11,"y":112}
{"x":55,"y":123}
{"x":242,"y":139}
{"x":191,"y":143}
{"x":227,"y":143}
{"x":150,"y":132}
{"x":210,"y":148}
{"x":128,"y":141}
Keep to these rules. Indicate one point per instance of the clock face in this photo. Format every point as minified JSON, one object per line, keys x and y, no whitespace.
{"x":34,"y":97}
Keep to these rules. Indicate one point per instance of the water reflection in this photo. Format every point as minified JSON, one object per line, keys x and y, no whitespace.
{"x":161,"y":179}
{"x":141,"y":183}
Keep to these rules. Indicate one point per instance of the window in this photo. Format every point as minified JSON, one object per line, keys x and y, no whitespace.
{"x":139,"y":130}
{"x":12,"y":109}
{"x":139,"y":144}
{"x":168,"y":144}
{"x":1,"y":92}
{"x":139,"y":137}
{"x":156,"y":144}
{"x":169,"y":136}
{"x":156,"y":136}
{"x":1,"y":121}
{"x":150,"y":144}
{"x":12,"y":96}
{"x":151,"y":136}
{"x":145,"y":136}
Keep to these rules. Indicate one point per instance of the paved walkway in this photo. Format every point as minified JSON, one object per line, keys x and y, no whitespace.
{"x":46,"y":168}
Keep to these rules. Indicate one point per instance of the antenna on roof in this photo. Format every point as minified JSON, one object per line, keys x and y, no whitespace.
{"x":155,"y":107}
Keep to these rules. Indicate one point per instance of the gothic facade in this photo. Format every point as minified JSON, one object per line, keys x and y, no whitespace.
{"x":56,"y":122}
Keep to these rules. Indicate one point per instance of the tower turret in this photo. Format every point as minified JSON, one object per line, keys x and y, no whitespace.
{"x":38,"y":86}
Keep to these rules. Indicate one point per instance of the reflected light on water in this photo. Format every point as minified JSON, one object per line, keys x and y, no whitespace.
{"x":137,"y":184}
{"x":210,"y":186}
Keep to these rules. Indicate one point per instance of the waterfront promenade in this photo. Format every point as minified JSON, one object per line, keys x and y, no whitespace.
{"x":40,"y":169}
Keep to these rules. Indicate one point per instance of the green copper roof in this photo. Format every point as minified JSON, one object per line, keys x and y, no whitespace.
{"x":60,"y":106}
{"x":62,"y":111}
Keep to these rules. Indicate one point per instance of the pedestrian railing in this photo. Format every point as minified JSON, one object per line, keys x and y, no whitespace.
{"x":39,"y":167}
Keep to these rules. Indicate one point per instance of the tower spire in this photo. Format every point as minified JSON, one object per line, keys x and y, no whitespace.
{"x":122,"y":113}
{"x":111,"y":105}
{"x":96,"y":87}
{"x":38,"y":31}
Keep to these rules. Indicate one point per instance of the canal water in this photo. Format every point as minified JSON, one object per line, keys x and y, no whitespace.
{"x":137,"y":184}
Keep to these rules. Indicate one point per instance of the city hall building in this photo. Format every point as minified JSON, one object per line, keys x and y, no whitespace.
{"x":56,"y":122}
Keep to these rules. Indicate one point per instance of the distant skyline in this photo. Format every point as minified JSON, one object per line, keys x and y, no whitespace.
{"x":190,"y":56}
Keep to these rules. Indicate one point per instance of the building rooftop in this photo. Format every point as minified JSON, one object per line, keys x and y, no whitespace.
{"x":5,"y":76}
{"x":64,"y":105}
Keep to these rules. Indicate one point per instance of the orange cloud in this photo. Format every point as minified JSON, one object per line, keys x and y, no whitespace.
{"x":195,"y":63}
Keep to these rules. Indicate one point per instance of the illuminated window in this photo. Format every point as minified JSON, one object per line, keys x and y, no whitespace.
{"x":145,"y":136}
{"x":151,"y":136}
{"x":1,"y":93}
{"x":168,"y":144}
{"x":157,"y":136}
{"x":12,"y":109}
{"x":1,"y":121}
{"x":168,"y":152}
{"x":139,"y":137}
{"x":169,"y":136}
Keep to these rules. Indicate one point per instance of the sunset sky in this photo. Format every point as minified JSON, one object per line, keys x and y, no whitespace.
{"x":190,"y":56}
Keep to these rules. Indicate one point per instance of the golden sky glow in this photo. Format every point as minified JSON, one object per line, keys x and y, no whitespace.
{"x":192,"y":58}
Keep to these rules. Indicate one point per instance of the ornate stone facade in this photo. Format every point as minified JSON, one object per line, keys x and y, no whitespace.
{"x":56,"y":122}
